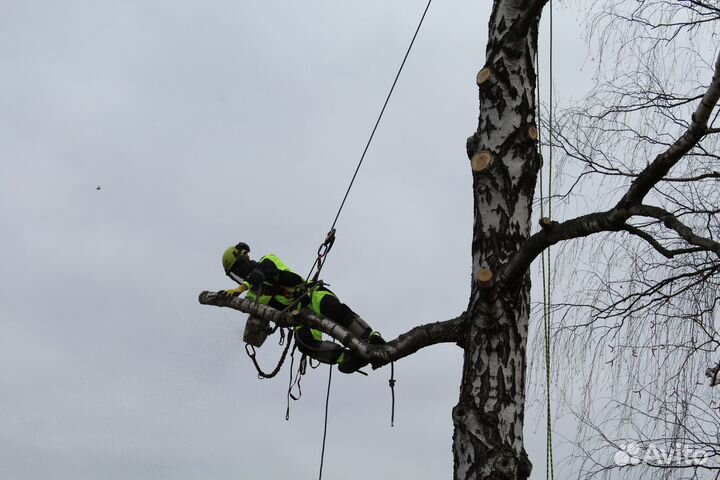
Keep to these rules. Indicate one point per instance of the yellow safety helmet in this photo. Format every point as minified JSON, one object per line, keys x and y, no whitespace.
{"x":231,"y":255}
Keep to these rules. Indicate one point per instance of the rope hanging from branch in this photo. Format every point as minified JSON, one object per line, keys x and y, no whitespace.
{"x":545,"y":256}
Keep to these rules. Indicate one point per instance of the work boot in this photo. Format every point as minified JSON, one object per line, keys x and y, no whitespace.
{"x":359,"y":327}
{"x":350,"y":363}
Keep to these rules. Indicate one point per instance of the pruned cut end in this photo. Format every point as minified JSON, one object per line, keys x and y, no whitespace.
{"x":533,"y":133}
{"x":483,"y":76}
{"x":481,"y":161}
{"x":484,"y":276}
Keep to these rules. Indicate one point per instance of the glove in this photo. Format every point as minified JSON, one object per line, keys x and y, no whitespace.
{"x":232,"y":293}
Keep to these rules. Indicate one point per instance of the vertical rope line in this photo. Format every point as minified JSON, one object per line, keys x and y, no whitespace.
{"x":538,"y":114}
{"x":547,"y":316}
{"x":327,"y":403}
{"x":545,"y":255}
{"x":550,"y":119}
{"x":548,"y":299}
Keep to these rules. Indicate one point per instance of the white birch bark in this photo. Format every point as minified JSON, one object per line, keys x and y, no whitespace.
{"x":489,"y":417}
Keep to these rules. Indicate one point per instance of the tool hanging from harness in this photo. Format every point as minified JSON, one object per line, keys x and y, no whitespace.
{"x":257,"y":330}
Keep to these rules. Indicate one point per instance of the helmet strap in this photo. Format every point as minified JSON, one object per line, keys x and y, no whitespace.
{"x":235,"y":277}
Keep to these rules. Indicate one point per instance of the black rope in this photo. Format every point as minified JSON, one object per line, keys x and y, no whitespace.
{"x":250,"y":350}
{"x":327,"y":244}
{"x":367,"y":146}
{"x":327,"y":402}
{"x":290,"y":384}
{"x":302,"y":367}
{"x":391,"y":382}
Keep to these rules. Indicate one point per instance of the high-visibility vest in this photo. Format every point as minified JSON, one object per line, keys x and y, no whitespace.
{"x":284,"y":298}
{"x":315,"y":295}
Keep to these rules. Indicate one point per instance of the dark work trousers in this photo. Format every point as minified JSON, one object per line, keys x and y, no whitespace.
{"x":329,"y":352}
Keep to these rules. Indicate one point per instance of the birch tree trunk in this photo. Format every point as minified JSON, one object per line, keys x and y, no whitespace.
{"x":489,"y":417}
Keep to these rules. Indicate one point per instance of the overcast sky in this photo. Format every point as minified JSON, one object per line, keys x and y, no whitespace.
{"x":208,"y":123}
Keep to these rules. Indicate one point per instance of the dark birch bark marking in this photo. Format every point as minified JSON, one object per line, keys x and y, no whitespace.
{"x":489,"y":416}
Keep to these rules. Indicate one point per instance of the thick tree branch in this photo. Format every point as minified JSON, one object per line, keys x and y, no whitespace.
{"x":609,"y":221}
{"x":614,"y":219}
{"x":449,"y":331}
{"x":662,"y":164}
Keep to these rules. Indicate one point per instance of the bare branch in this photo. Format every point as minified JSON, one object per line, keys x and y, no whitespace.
{"x":662,"y":164}
{"x":657,"y":245}
{"x":713,"y":175}
{"x":614,"y":219}
{"x":671,"y":221}
{"x":449,"y":331}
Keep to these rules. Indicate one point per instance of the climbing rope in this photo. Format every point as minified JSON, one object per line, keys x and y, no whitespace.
{"x":302,"y":368}
{"x":545,"y":256}
{"x":391,"y":382}
{"x":322,"y":253}
{"x":327,"y":244}
{"x":290,"y":384}
{"x":325,"y":247}
{"x":327,"y":403}
{"x":382,"y":111}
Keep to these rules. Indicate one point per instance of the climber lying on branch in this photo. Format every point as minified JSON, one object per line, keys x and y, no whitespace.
{"x":278,"y":295}
{"x":270,"y":282}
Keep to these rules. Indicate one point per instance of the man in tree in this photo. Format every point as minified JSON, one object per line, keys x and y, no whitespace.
{"x":656,"y":133}
{"x":270,"y":282}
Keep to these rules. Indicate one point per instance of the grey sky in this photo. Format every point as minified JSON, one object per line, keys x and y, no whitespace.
{"x":206,"y":123}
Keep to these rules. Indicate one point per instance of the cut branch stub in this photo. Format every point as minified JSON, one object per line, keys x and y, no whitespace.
{"x":483,"y":76}
{"x":533,"y":133}
{"x":481,"y":161}
{"x":545,"y":222}
{"x":485,"y":277}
